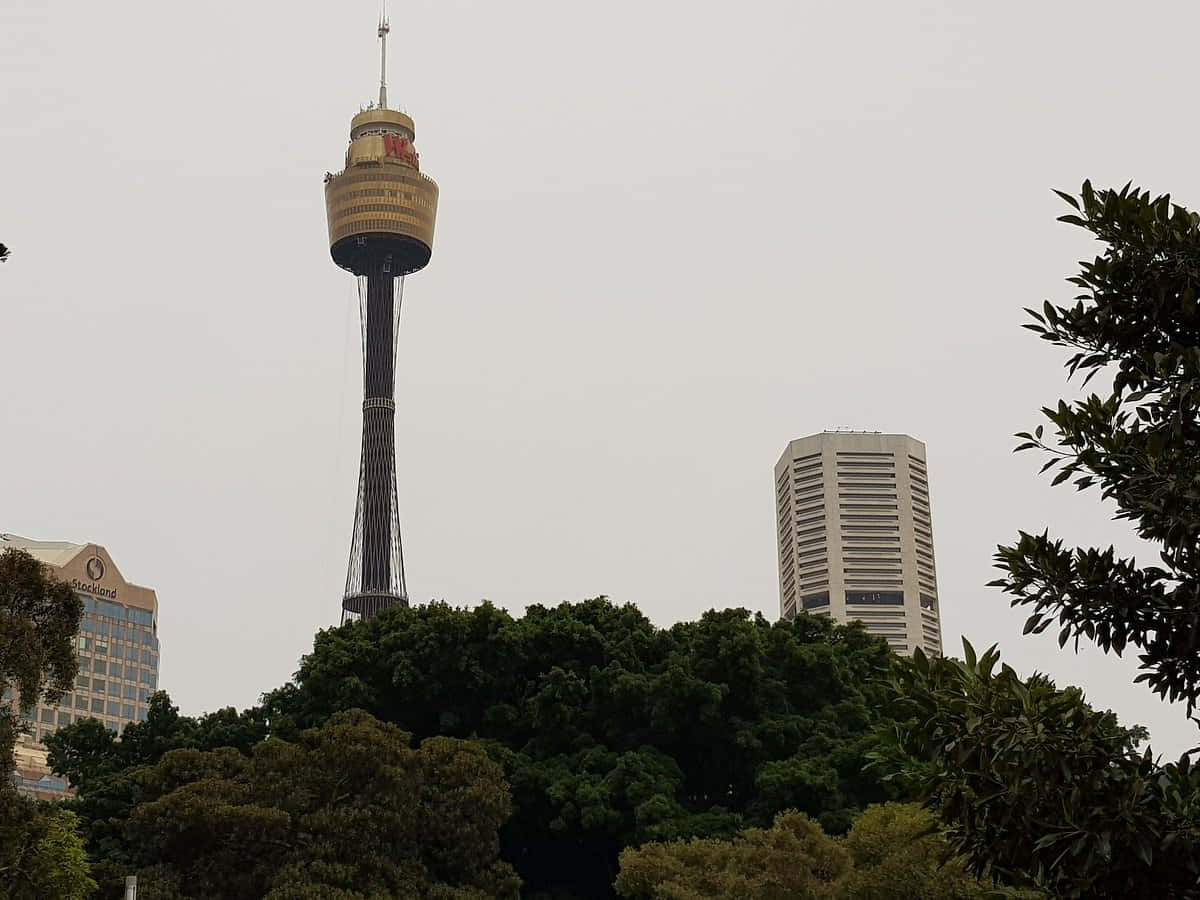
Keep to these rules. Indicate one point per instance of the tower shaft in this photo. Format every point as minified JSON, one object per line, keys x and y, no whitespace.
{"x":375,"y":580}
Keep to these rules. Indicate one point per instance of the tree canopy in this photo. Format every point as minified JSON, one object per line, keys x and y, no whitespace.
{"x":1137,"y":322}
{"x":613,"y":732}
{"x":1028,"y":779}
{"x":39,"y":617}
{"x":893,"y":852}
{"x":348,"y":810}
{"x":41,"y":852}
{"x":1036,"y":787}
{"x":610,"y":732}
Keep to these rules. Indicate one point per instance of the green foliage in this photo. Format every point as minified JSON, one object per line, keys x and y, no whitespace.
{"x":792,"y":859}
{"x":41,"y":852}
{"x":1028,"y":779}
{"x":87,"y":752}
{"x":892,"y":852}
{"x":104,"y":768}
{"x":613,"y":732}
{"x":348,"y":810}
{"x":39,"y":617}
{"x":1137,"y":321}
{"x":1035,"y":786}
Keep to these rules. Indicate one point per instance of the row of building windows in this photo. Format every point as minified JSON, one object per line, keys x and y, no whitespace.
{"x":116,"y":650}
{"x":113,"y":723}
{"x":98,"y":666}
{"x":112,"y":688}
{"x":855,"y":598}
{"x":48,"y":783}
{"x":130,"y":674}
{"x":116,"y":611}
{"x":61,"y":718}
{"x":891,"y":598}
{"x":101,"y":628}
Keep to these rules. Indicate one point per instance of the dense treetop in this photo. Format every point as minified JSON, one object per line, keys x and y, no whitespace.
{"x":348,"y":810}
{"x":892,"y":852}
{"x":610,"y":731}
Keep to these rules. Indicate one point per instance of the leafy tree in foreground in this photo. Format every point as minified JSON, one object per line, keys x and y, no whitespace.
{"x":893,"y":852}
{"x":1137,"y":319}
{"x":349,"y":810}
{"x":41,"y":853}
{"x":613,"y":732}
{"x":1027,"y":778}
{"x":39,"y":617}
{"x":104,"y":768}
{"x":1036,"y":787}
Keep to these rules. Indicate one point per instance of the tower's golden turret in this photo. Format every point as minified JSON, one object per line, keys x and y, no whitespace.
{"x":380,"y":203}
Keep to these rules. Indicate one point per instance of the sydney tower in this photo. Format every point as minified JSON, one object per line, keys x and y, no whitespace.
{"x":381,"y":213}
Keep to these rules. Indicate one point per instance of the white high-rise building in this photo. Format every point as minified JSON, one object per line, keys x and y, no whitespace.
{"x":855,"y":535}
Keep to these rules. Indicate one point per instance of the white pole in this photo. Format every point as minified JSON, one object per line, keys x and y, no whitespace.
{"x":130,"y":887}
{"x":384,"y":28}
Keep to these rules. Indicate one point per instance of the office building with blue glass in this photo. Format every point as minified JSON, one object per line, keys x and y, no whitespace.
{"x":117,"y":650}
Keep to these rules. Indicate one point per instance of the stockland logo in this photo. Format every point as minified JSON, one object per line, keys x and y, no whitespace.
{"x":95,"y":568}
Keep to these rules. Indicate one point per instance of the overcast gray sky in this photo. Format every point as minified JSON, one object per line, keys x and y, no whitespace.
{"x":672,"y":236}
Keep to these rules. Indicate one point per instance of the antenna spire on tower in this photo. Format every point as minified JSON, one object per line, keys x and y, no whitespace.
{"x":384,"y":28}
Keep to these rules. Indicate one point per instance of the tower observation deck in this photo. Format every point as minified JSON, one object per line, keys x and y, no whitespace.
{"x":381,"y":211}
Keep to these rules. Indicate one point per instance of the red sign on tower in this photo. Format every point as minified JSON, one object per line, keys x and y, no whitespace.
{"x":401,"y":148}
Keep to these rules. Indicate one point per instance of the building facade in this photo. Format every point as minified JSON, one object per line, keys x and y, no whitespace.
{"x":117,"y":650}
{"x":856,"y":535}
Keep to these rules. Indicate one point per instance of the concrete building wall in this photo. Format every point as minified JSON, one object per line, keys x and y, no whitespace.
{"x":856,"y":536}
